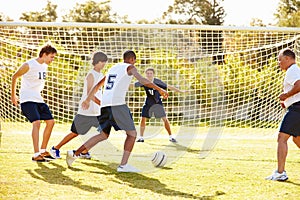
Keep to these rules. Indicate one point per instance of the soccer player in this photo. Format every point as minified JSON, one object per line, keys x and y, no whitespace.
{"x":290,"y":99}
{"x":153,"y":105}
{"x":114,"y":110}
{"x":33,"y":73}
{"x":84,"y":120}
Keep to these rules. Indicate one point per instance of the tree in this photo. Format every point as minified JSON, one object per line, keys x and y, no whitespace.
{"x":4,"y":18}
{"x":208,"y":12}
{"x":288,"y":13}
{"x":48,"y":14}
{"x":91,"y":11}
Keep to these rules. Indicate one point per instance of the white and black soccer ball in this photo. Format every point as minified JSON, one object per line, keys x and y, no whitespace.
{"x":159,"y":159}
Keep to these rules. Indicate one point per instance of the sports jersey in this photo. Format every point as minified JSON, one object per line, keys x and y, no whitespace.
{"x":153,"y":96}
{"x":33,"y":82}
{"x":116,"y":85}
{"x":292,"y":75}
{"x":94,"y":109}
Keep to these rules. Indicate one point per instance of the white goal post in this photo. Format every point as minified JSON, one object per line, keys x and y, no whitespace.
{"x":231,"y":73}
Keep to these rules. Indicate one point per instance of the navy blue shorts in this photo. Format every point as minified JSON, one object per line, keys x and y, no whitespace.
{"x":118,"y":117}
{"x":156,"y":110}
{"x":34,"y":111}
{"x":82,"y":124}
{"x":291,"y":121}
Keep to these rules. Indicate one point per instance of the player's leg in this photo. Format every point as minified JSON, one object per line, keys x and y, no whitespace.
{"x":65,"y":140}
{"x":48,"y":118}
{"x":296,"y":140}
{"x":142,"y":129}
{"x":282,"y":150}
{"x":145,"y":114}
{"x":35,"y":135}
{"x":168,"y":128}
{"x":30,"y":111}
{"x":128,"y":145}
{"x":90,"y":143}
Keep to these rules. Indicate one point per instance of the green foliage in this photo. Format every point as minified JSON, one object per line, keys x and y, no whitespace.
{"x":91,"y":11}
{"x":48,"y":14}
{"x":195,"y":12}
{"x":288,"y":13}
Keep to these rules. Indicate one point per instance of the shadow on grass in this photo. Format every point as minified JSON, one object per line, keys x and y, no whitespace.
{"x":139,"y":181}
{"x":55,"y":176}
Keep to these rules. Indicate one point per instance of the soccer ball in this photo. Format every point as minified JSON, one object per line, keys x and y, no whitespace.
{"x":159,"y":159}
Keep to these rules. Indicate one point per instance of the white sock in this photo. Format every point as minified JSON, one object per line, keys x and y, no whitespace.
{"x":36,"y":154}
{"x":42,"y":150}
{"x":141,"y":137}
{"x":170,"y":136}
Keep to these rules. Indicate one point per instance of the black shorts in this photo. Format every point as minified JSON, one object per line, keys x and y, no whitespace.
{"x":118,"y":117}
{"x":34,"y":111}
{"x":82,"y":124}
{"x":156,"y":110}
{"x":291,"y":121}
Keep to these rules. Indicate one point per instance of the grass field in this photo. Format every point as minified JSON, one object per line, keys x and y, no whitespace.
{"x":235,"y":169}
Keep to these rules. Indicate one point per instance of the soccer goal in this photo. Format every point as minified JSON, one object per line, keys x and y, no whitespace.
{"x":231,"y":73}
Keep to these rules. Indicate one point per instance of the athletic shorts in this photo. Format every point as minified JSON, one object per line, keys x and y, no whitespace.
{"x":118,"y":117}
{"x":82,"y":124}
{"x":34,"y":111}
{"x":291,"y":121}
{"x":156,"y":110}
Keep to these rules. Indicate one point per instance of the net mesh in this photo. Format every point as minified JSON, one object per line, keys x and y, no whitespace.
{"x":231,"y":73}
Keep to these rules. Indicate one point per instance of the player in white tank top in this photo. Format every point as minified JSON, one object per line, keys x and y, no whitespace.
{"x":116,"y":85}
{"x":86,"y":119}
{"x":33,"y":82}
{"x":33,"y":73}
{"x":94,"y":109}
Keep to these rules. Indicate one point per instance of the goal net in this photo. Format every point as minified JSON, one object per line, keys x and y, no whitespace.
{"x":231,"y":74}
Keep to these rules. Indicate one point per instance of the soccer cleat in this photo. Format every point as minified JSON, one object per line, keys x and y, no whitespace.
{"x":127,"y":168}
{"x":55,"y":153}
{"x":85,"y":155}
{"x":39,"y":158}
{"x":47,"y":156}
{"x":140,"y":140}
{"x":70,"y":157}
{"x":173,"y":140}
{"x":278,"y":176}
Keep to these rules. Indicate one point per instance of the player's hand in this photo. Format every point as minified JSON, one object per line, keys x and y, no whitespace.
{"x":164,"y":93}
{"x":15,"y":100}
{"x":283,"y":97}
{"x":85,"y":105}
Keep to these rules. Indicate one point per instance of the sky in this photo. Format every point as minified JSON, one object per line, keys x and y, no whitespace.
{"x":238,"y":12}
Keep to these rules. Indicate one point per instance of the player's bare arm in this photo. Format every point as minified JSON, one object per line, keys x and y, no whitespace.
{"x":86,"y":103}
{"x":131,"y":70}
{"x":22,"y":70}
{"x":90,"y":81}
{"x":171,"y":87}
{"x":293,"y":91}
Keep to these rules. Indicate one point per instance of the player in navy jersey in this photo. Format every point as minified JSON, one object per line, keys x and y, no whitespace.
{"x":153,"y":104}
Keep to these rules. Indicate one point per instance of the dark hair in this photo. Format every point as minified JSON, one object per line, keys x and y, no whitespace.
{"x":47,"y":49}
{"x":129,"y":54}
{"x":288,"y":52}
{"x":99,"y":56}
{"x":150,"y":69}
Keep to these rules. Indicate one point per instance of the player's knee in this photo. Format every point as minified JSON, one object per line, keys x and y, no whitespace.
{"x":36,"y":123}
{"x":282,"y":137}
{"x":50,"y":122}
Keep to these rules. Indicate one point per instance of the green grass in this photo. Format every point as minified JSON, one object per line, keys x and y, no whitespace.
{"x":235,"y":169}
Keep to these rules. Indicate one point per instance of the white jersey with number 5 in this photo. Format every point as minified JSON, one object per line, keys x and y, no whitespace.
{"x":33,"y":82}
{"x":116,"y":85}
